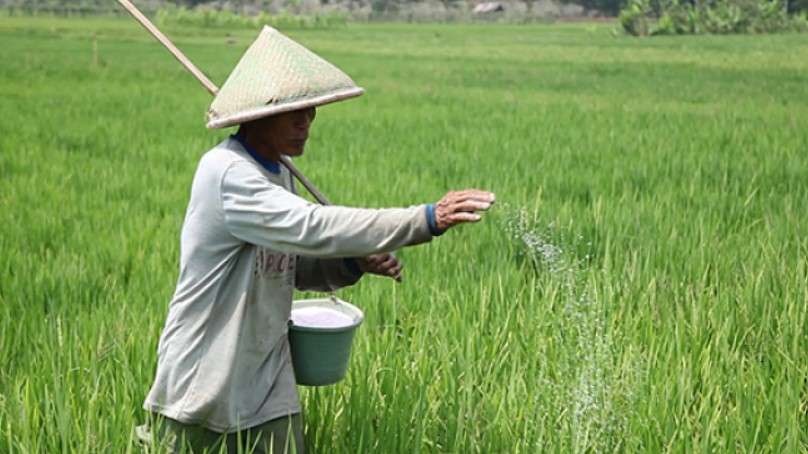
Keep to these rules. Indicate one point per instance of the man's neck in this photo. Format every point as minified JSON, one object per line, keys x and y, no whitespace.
{"x":258,"y":146}
{"x":270,"y":165}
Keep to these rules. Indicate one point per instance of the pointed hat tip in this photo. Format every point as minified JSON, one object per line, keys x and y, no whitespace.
{"x":276,"y":74}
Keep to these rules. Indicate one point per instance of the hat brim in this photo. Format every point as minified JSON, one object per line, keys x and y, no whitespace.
{"x":274,"y":109}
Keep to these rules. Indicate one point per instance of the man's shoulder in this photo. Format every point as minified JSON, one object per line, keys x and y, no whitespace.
{"x":230,"y":158}
{"x":227,"y":151}
{"x":221,"y":157}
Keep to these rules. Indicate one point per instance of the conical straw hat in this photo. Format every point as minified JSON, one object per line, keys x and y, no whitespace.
{"x":277,"y":75}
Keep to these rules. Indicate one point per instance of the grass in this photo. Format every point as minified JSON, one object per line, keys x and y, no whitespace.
{"x":641,"y":286}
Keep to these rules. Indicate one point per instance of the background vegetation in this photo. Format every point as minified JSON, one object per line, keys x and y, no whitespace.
{"x":636,"y":17}
{"x":681,"y":17}
{"x":641,"y":286}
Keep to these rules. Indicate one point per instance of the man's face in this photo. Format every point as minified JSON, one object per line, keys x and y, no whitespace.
{"x":285,"y":133}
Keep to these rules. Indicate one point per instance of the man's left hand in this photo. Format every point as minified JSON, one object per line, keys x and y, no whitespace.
{"x":382,"y":264}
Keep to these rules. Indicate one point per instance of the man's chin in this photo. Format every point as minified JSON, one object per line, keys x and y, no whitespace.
{"x":293,"y":153}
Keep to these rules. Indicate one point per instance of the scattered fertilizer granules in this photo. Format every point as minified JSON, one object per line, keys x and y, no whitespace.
{"x":590,"y":397}
{"x":320,"y":317}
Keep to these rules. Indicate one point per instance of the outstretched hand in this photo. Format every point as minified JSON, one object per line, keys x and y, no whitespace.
{"x":457,"y":207}
{"x":382,"y":264}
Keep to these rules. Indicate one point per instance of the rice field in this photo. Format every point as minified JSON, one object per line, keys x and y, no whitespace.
{"x":640,"y":286}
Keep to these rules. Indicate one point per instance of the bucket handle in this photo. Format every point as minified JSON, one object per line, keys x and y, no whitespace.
{"x":338,"y":303}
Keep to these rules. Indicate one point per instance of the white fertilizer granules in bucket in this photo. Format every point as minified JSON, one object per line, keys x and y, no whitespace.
{"x":320,"y":317}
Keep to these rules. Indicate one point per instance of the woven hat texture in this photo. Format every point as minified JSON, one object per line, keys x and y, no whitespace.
{"x":277,"y":75}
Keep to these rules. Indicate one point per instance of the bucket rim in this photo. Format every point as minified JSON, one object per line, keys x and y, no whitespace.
{"x":330,"y":302}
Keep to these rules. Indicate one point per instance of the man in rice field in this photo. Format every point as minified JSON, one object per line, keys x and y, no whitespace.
{"x":224,"y":373}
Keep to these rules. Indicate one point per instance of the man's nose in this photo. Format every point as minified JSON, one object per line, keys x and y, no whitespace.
{"x":305,"y":118}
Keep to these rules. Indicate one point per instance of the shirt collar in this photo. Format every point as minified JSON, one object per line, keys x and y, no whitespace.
{"x":273,"y":167}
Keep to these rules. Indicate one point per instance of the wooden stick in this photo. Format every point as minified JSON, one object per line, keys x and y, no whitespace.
{"x":287,"y":161}
{"x":212,"y":89}
{"x":147,"y":24}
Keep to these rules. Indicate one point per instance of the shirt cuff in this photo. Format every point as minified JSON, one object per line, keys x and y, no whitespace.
{"x":430,"y":219}
{"x":352,"y":266}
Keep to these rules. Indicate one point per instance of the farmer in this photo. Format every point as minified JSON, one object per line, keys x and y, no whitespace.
{"x":224,"y":371}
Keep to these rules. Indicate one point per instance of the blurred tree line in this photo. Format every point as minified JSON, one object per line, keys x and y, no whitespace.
{"x":680,"y":17}
{"x":677,"y":16}
{"x":613,"y":7}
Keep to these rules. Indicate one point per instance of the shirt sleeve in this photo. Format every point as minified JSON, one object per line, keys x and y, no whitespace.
{"x":260,"y":212}
{"x":325,"y":275}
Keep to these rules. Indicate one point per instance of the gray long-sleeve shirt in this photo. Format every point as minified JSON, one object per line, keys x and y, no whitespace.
{"x":247,"y":242}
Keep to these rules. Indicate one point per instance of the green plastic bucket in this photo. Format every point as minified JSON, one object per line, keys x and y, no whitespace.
{"x":320,"y":355}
